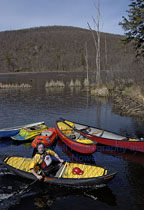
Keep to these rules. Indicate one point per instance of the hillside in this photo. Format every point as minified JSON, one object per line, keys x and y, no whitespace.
{"x":59,"y":48}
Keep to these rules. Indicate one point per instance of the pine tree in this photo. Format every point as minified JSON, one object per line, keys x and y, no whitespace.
{"x":134,"y":26}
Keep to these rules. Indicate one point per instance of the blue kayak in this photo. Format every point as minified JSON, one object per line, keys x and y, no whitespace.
{"x":8,"y":132}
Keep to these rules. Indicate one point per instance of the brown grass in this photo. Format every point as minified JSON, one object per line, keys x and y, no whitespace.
{"x":12,"y":86}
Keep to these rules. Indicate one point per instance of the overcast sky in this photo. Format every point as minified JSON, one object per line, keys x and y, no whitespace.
{"x":19,"y":14}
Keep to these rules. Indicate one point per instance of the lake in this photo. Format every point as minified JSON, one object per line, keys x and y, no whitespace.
{"x":25,"y":106}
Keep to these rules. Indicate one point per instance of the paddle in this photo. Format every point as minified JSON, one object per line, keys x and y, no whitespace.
{"x":4,"y":171}
{"x":61,"y":119}
{"x":10,"y":196}
{"x":62,"y":170}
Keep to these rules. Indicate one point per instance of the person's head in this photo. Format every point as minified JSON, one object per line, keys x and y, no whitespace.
{"x":40,"y":148}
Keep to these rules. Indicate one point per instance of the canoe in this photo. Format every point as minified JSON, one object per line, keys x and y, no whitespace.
{"x":8,"y":132}
{"x":75,"y":140}
{"x":67,"y":174}
{"x":29,"y":133}
{"x":108,"y":138}
{"x":47,"y":137}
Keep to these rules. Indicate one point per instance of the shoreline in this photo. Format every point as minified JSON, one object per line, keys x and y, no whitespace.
{"x":127,"y":97}
{"x":128,"y":104}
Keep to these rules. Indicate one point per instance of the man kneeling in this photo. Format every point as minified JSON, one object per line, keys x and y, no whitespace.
{"x":43,"y":160}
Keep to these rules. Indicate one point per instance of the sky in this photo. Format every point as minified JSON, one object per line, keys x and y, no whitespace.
{"x":19,"y":14}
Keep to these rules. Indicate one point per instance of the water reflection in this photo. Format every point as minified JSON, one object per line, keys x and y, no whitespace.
{"x":59,"y":199}
{"x":73,"y":156}
{"x":54,"y":90}
{"x":33,"y":105}
{"x":135,"y":157}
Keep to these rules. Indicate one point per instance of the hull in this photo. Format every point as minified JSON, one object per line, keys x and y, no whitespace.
{"x":111,"y":139}
{"x":75,"y":146}
{"x":87,"y":182}
{"x":130,"y":145}
{"x":47,"y":140}
{"x":29,"y":133}
{"x":8,"y":132}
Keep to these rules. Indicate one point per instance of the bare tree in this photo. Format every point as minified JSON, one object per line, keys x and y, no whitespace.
{"x":96,"y":38}
{"x":106,"y":56}
{"x":86,"y":61}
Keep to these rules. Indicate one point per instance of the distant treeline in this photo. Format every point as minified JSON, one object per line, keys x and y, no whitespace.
{"x":59,"y":48}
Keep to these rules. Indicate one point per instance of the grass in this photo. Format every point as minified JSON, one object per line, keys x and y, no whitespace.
{"x":100,"y":91}
{"x":86,"y":83}
{"x":134,"y":92}
{"x":76,"y":83}
{"x":14,"y":86}
{"x":53,"y":83}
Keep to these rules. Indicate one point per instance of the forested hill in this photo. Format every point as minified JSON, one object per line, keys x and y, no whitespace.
{"x":59,"y":48}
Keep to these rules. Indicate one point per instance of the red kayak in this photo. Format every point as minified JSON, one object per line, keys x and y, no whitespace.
{"x":47,"y":137}
{"x":107,"y":138}
{"x":75,"y":140}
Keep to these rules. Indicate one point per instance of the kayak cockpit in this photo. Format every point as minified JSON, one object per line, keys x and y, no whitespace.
{"x":82,"y":171}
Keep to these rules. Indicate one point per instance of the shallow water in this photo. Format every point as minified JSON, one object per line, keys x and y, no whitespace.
{"x":27,"y":106}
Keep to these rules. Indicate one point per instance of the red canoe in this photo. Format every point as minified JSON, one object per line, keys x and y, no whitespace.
{"x":47,"y":137}
{"x":75,"y":140}
{"x":107,"y":138}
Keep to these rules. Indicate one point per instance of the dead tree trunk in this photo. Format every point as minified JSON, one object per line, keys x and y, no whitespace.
{"x":86,"y":61}
{"x":96,"y":37}
{"x":106,"y":57}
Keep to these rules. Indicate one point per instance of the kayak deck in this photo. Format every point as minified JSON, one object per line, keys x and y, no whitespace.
{"x":64,"y":176}
{"x":20,"y":163}
{"x":90,"y":171}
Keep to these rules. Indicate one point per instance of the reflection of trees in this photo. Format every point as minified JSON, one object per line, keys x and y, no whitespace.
{"x":135,"y":130}
{"x":60,"y":196}
{"x":98,"y":113}
{"x":54,"y":90}
{"x":138,"y":128}
{"x":136,"y":182}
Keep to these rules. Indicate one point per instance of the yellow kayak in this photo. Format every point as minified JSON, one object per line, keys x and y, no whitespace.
{"x":67,"y":174}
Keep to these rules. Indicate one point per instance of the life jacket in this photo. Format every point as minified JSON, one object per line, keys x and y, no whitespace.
{"x":46,"y":160}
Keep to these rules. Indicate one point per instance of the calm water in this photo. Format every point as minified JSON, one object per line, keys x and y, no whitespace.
{"x":27,"y":106}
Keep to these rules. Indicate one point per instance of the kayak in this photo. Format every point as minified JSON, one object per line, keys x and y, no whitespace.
{"x":73,"y":139}
{"x":8,"y":132}
{"x":108,"y":138}
{"x":47,"y":137}
{"x":67,"y":174}
{"x":29,"y":133}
